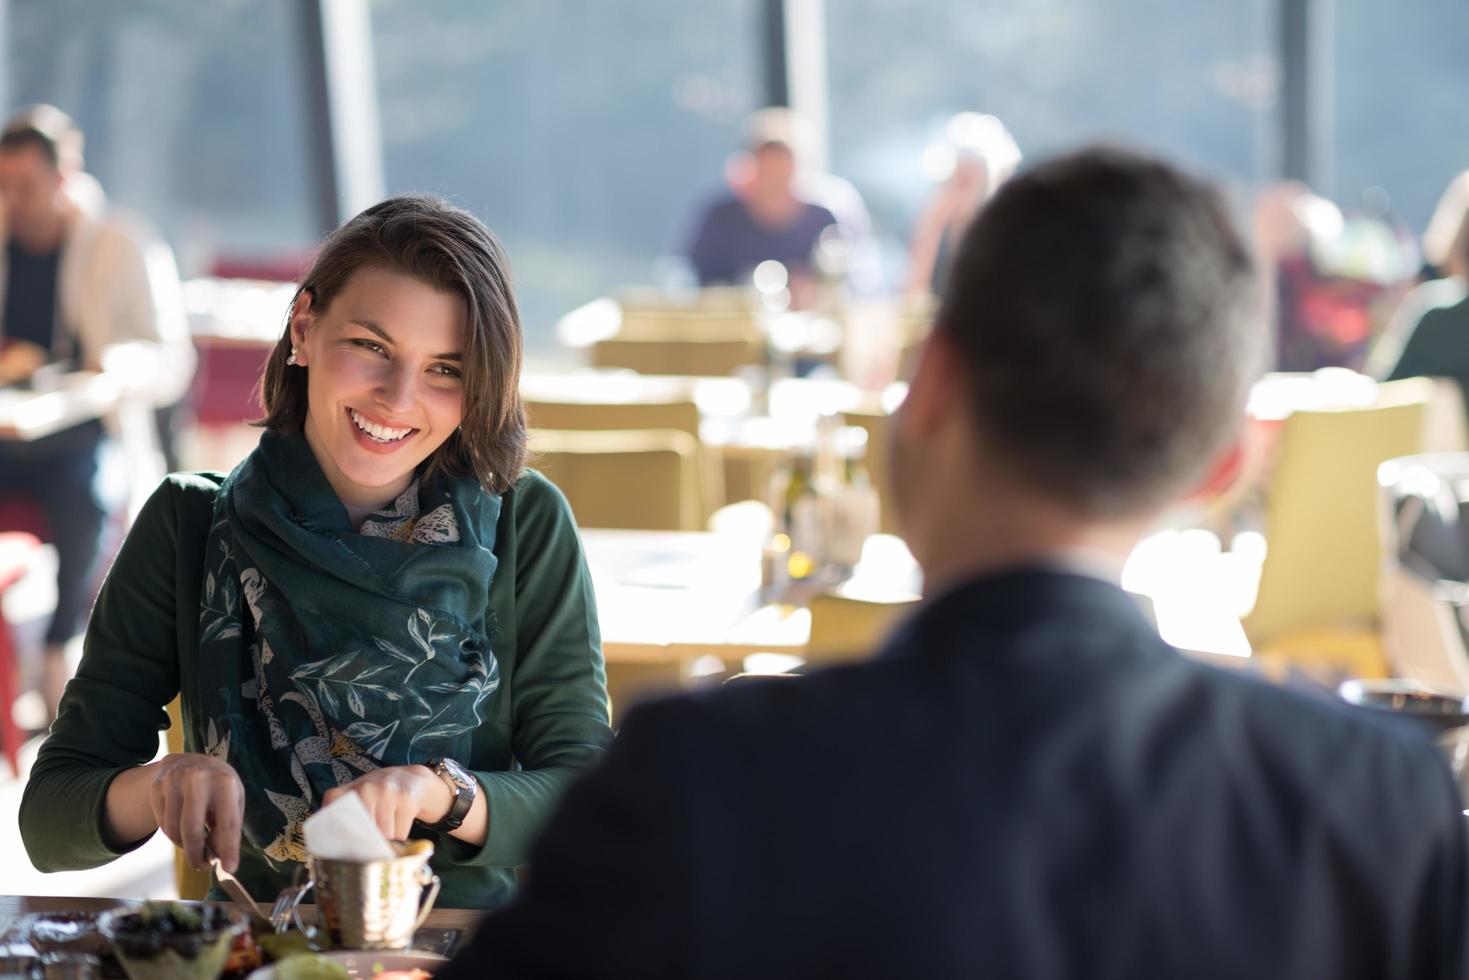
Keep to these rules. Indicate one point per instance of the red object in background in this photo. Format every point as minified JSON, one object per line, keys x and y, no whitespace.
{"x":224,"y":383}
{"x":288,"y":267}
{"x":16,"y":549}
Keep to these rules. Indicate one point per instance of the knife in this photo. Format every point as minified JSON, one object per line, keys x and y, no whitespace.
{"x":235,"y":890}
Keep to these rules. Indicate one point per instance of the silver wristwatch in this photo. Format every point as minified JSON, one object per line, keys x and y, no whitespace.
{"x":464,"y":787}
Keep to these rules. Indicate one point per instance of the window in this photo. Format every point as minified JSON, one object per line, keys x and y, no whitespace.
{"x":584,"y":134}
{"x":191,"y":111}
{"x":1196,"y":82}
{"x":1402,"y":87}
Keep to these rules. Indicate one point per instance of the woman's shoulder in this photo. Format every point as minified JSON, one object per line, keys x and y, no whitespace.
{"x":199,"y":487}
{"x":535,"y":496}
{"x":185,"y":497}
{"x":537,"y":507}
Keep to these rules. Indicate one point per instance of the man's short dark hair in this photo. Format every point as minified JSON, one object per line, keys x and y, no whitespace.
{"x":46,"y":128}
{"x":1110,"y":317}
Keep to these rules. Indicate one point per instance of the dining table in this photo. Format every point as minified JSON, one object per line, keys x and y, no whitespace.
{"x":677,"y":607}
{"x":55,"y":403}
{"x":14,"y":907}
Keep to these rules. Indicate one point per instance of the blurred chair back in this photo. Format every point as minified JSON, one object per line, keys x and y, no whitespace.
{"x":1444,"y":429}
{"x":845,"y":629}
{"x":1322,"y":562}
{"x":679,"y":416}
{"x":687,"y":323}
{"x":645,"y":479}
{"x":709,"y":358}
{"x":1425,"y":568}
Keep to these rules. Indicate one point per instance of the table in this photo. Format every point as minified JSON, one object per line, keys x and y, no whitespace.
{"x":13,"y":907}
{"x":676,"y":605}
{"x":71,"y":399}
{"x":672,"y":602}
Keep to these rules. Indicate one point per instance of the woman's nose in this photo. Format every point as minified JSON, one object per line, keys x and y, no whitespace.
{"x":397,"y":388}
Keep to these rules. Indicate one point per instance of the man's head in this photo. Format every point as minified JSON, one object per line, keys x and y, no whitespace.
{"x":39,"y":148}
{"x":1094,"y":348}
{"x":776,"y":140}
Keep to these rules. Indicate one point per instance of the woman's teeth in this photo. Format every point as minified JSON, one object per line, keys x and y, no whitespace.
{"x":380,"y":433}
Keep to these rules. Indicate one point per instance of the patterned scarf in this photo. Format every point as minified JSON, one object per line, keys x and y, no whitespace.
{"x":325,"y":653}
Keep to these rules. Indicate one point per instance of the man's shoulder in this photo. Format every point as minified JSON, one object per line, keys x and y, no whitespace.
{"x":1338,"y":754}
{"x":832,"y":706}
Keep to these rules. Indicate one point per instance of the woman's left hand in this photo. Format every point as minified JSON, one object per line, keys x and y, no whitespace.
{"x":398,"y":795}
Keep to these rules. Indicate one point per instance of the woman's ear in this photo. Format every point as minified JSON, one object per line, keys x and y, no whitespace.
{"x":301,"y":320}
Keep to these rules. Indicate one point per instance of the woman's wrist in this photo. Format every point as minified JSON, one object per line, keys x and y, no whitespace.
{"x":437,"y":798}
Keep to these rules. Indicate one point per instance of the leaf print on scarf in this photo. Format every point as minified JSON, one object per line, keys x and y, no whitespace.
{"x":290,"y":843}
{"x":253,"y":585}
{"x":425,"y":632}
{"x":315,"y":749}
{"x":335,"y":677}
{"x":377,"y":736}
{"x":215,"y":745}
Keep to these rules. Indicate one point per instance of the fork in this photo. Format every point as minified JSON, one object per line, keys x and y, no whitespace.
{"x":282,"y":911}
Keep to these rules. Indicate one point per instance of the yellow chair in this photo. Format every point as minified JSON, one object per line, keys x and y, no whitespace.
{"x":845,"y":629}
{"x":1317,"y":603}
{"x":192,"y":885}
{"x":645,"y":479}
{"x":681,"y":416}
{"x":685,"y":323}
{"x":703,"y":357}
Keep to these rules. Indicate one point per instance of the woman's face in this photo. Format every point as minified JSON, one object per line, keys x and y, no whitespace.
{"x":384,"y":386}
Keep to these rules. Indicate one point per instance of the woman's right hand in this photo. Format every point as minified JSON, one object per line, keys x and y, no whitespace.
{"x":198,"y":799}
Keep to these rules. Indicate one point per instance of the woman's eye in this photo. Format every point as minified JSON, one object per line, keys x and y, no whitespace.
{"x":371,"y":345}
{"x":446,"y":370}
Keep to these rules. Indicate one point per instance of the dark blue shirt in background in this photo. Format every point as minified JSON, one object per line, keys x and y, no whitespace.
{"x":30,"y":296}
{"x":729,"y":242}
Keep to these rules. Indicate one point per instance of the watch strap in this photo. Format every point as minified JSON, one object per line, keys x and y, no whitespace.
{"x":465,"y":788}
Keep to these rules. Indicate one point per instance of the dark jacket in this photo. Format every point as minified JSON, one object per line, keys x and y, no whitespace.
{"x":1438,"y":347}
{"x":1026,"y":783}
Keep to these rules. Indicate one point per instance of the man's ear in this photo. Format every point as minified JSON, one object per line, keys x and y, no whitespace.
{"x":935,"y":390}
{"x":1222,"y":473}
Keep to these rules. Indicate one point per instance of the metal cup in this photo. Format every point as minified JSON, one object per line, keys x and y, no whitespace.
{"x":374,"y":904}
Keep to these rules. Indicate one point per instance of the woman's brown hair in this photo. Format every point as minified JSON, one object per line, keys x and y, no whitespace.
{"x":452,"y":251}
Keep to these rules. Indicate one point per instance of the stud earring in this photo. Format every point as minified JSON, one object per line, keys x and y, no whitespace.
{"x":292,"y":359}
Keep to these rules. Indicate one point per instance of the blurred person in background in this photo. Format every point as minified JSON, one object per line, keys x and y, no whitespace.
{"x":1429,"y":334}
{"x":378,"y":600}
{"x":776,"y":208}
{"x":978,"y":154}
{"x":79,"y":290}
{"x":1026,"y":781}
{"x":1329,"y":273}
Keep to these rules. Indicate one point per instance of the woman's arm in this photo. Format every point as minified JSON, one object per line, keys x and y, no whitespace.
{"x":112,"y":711}
{"x":559,"y":690}
{"x":92,"y":794}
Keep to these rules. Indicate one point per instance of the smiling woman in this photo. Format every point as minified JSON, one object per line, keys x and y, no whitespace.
{"x":378,"y":600}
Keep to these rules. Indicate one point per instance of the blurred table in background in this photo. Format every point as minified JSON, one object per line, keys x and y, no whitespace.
{"x":31,"y":413}
{"x":675,"y":606}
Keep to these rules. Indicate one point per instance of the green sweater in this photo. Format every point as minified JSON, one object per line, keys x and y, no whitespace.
{"x":548,"y":719}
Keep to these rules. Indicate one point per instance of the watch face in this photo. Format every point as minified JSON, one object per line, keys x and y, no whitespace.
{"x":457,"y":773}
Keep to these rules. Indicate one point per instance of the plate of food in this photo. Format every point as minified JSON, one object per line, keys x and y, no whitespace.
{"x":354,"y":964}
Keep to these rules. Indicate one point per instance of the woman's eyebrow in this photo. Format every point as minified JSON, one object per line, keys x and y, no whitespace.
{"x":369,"y":325}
